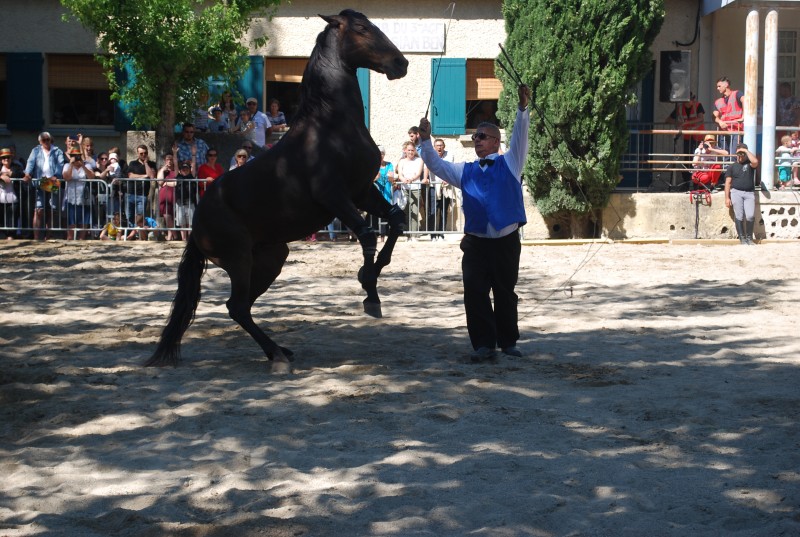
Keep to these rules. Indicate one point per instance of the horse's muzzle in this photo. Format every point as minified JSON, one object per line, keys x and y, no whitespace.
{"x":397,"y":68}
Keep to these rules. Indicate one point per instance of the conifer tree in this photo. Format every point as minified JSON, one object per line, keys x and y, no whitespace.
{"x":582,"y":60}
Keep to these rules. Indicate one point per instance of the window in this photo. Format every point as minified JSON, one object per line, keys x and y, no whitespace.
{"x":483,"y":91}
{"x":78,"y":90}
{"x":787,"y":58}
{"x":3,"y":91}
{"x":283,"y":77}
{"x":465,"y":92}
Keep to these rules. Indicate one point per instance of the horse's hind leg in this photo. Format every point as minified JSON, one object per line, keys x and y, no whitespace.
{"x":251,"y":274}
{"x":267,"y":265}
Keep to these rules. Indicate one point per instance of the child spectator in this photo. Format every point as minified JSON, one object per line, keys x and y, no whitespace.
{"x":111,"y":231}
{"x":185,"y":197}
{"x":245,"y":126}
{"x":9,"y":191}
{"x":143,"y":224}
{"x":218,"y":124}
{"x":166,"y":192}
{"x":785,"y":155}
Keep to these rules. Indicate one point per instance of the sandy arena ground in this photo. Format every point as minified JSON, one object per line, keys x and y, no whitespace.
{"x":659,"y":396}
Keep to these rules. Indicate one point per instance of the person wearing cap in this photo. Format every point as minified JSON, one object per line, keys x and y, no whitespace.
{"x":9,"y":192}
{"x":740,"y":186}
{"x":218,"y":124}
{"x":706,"y":163}
{"x":46,"y":161}
{"x":185,"y":196}
{"x":75,"y":174}
{"x":262,"y":126}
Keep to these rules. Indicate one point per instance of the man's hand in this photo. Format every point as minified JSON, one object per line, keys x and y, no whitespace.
{"x":424,"y":129}
{"x":524,"y":96}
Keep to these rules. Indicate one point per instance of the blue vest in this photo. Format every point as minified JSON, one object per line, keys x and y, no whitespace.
{"x":493,"y":196}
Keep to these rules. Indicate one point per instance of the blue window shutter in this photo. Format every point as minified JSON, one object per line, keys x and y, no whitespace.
{"x":25,"y":75}
{"x":363,"y":83}
{"x":448,"y":114}
{"x":123,"y":121}
{"x":252,"y":82}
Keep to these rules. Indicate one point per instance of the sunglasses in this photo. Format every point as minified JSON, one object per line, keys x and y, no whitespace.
{"x":211,"y":155}
{"x":482,"y":136}
{"x":102,"y":158}
{"x":241,"y":156}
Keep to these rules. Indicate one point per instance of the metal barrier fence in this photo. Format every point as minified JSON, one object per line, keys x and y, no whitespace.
{"x":661,"y":158}
{"x":163,"y":209}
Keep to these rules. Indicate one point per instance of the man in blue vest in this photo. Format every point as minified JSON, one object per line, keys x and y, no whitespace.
{"x":493,"y":212}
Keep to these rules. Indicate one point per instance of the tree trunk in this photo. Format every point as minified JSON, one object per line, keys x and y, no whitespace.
{"x":165,"y":130}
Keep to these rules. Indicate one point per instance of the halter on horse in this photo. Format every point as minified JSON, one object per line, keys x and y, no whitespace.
{"x":322,"y":168}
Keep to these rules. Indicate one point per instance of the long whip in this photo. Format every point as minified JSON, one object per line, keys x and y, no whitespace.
{"x":452,"y":8}
{"x":511,"y":71}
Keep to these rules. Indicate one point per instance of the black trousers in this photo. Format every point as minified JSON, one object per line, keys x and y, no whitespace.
{"x":491,"y":265}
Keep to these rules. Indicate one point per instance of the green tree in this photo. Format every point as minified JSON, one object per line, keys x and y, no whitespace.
{"x":168,"y":48}
{"x":582,"y":60}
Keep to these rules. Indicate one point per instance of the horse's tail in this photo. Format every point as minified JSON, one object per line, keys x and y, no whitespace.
{"x":190,"y":271}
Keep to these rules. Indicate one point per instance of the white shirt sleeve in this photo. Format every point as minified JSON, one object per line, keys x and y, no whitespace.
{"x":518,"y":147}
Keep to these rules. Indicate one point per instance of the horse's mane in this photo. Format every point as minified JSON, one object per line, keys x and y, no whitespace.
{"x":327,"y":82}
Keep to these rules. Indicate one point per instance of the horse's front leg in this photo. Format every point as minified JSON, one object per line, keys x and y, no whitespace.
{"x":367,"y":275}
{"x":396,"y":219}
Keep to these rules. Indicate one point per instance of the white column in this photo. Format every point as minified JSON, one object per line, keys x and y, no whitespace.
{"x":751,"y":82}
{"x":769,"y":115}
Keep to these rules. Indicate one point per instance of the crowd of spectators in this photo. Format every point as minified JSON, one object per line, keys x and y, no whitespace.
{"x":83,"y":192}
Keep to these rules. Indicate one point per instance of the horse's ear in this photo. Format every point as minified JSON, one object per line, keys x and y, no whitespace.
{"x":333,"y":20}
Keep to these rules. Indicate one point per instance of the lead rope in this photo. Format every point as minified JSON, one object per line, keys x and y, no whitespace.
{"x":452,"y":8}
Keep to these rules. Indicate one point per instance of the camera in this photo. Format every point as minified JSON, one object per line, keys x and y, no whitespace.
{"x":706,"y":146}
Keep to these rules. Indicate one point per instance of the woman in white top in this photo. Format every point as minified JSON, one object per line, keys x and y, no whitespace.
{"x":409,"y":175}
{"x":79,"y":213}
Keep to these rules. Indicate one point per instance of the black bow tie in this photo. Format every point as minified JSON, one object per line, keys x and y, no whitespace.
{"x":486,"y":162}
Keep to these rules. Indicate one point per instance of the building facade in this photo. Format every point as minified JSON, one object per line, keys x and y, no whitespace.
{"x":50,"y":81}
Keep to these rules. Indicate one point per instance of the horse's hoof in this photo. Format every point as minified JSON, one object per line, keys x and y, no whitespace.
{"x":373,"y":309}
{"x":281,"y":368}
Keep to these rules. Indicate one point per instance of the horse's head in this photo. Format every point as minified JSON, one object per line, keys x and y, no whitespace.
{"x":362,"y":44}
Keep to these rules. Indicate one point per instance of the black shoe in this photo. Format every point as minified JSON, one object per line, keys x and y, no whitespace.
{"x":513,"y":351}
{"x":483,"y":354}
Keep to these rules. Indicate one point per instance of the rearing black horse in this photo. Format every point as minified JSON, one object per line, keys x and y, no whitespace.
{"x":322,"y":168}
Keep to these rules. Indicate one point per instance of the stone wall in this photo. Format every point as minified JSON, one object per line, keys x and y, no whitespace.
{"x":674,"y":215}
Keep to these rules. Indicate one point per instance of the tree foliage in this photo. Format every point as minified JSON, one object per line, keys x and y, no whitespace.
{"x":582,"y":60}
{"x":168,"y":49}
